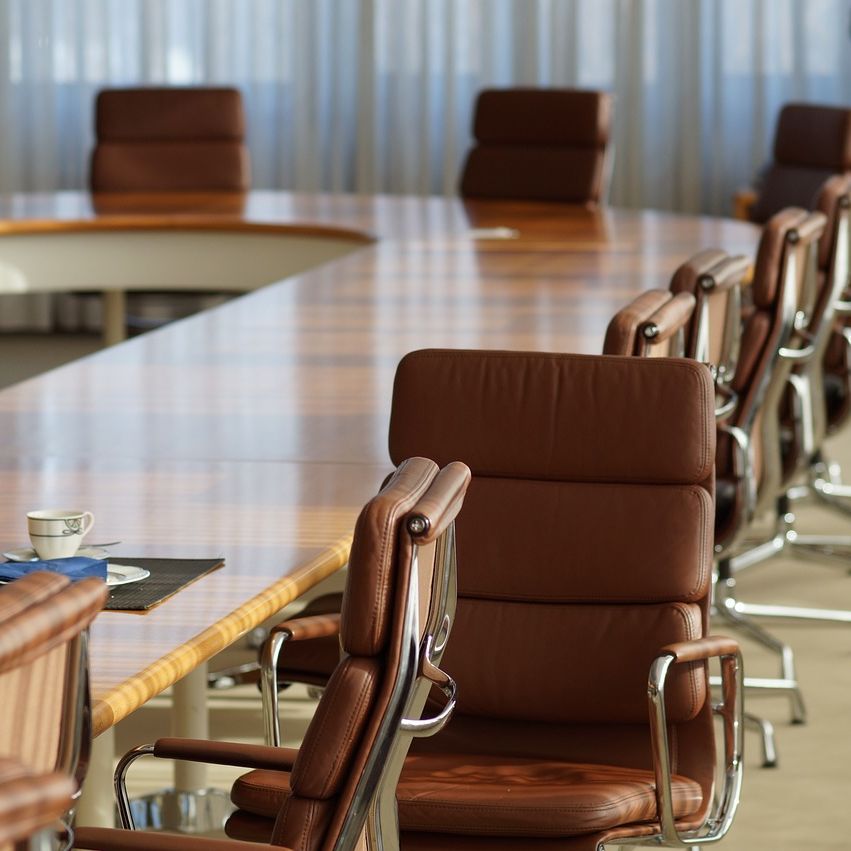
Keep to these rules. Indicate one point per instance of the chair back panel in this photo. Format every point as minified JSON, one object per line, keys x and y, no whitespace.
{"x":591,"y":661}
{"x":539,"y":144}
{"x":580,"y":443}
{"x":33,"y":710}
{"x":811,"y":143}
{"x":170,"y":140}
{"x":604,"y":567}
{"x":40,"y":655}
{"x":814,"y":136}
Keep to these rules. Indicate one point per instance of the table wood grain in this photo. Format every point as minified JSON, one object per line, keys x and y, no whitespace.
{"x":256,"y":430}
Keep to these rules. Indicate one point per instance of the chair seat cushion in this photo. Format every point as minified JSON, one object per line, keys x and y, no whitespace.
{"x":261,"y":792}
{"x":499,"y":796}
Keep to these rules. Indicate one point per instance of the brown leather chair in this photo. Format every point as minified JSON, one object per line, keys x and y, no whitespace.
{"x":170,"y":140}
{"x":44,"y":683}
{"x":582,"y":465}
{"x":397,"y":613}
{"x":539,"y":145}
{"x":811,"y":143}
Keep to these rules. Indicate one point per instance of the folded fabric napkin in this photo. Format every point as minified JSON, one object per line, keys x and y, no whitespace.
{"x":74,"y":568}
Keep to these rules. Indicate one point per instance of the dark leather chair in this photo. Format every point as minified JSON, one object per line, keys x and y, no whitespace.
{"x":582,"y":465}
{"x":811,"y":143}
{"x":46,"y":729}
{"x":170,"y":140}
{"x":397,"y":613}
{"x":539,"y":145}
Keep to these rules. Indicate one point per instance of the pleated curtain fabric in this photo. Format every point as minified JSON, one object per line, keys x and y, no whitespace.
{"x":376,"y":95}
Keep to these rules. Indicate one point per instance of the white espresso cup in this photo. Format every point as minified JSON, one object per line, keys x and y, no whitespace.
{"x":57,"y":532}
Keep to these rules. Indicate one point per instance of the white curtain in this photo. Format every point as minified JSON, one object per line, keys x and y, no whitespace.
{"x":376,"y":95}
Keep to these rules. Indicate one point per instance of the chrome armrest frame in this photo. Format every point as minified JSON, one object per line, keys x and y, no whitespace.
{"x":798,"y":355}
{"x":269,"y":655}
{"x":424,"y":727}
{"x":744,"y":464}
{"x":728,"y":405}
{"x":731,"y":710}
{"x":122,"y":799}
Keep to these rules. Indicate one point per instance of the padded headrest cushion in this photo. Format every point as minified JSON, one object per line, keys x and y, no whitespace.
{"x":169,"y":114}
{"x":543,"y":117}
{"x":814,"y":136}
{"x":557,"y":417}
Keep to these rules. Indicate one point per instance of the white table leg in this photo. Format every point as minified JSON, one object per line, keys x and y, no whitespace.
{"x":97,"y":803}
{"x":114,"y":316}
{"x":189,"y":719}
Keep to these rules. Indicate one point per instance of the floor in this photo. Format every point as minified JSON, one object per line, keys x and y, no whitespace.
{"x":801,"y":804}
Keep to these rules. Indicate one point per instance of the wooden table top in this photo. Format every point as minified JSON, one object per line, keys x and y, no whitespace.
{"x":256,"y":430}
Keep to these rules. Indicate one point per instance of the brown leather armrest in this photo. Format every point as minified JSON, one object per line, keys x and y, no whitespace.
{"x":702,"y":648}
{"x":743,"y":202}
{"x":226,"y":753}
{"x":670,"y":317}
{"x":110,"y":839}
{"x":316,"y":626}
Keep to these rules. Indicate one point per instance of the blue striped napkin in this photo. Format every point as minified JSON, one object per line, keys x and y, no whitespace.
{"x":74,"y":568}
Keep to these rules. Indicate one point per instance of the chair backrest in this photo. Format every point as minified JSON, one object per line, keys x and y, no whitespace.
{"x":397,"y":610}
{"x":811,"y":143}
{"x":653,"y":324}
{"x":539,"y":145}
{"x":585,"y":544}
{"x":170,"y":140}
{"x":44,"y":620}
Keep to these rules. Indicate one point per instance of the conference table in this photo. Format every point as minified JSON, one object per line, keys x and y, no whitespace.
{"x":256,"y":430}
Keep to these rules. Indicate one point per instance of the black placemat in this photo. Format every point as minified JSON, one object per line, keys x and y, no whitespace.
{"x":168,"y":576}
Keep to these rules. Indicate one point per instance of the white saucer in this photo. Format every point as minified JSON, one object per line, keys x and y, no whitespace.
{"x":29,"y":554}
{"x":123,"y":574}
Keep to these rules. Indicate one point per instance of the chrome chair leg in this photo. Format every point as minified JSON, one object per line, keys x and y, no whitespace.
{"x":765,"y":729}
{"x":788,"y":541}
{"x":726,"y":608}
